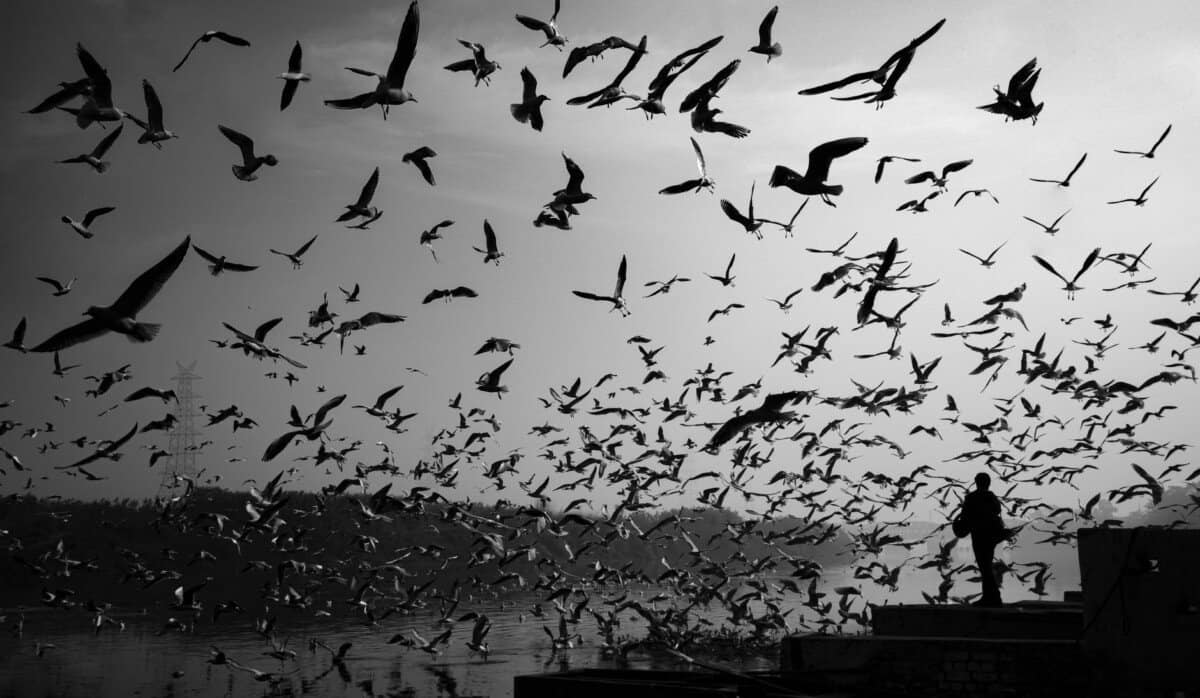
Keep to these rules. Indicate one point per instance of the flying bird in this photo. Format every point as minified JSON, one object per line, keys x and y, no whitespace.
{"x":820,"y":158}
{"x":765,"y":45}
{"x":612,"y":92}
{"x":218,"y":264}
{"x":652,"y":104}
{"x":362,"y":207}
{"x":153,"y":130}
{"x":491,"y":252}
{"x":1017,"y":103}
{"x":1147,"y":153}
{"x":989,"y":261}
{"x":939,"y":182}
{"x":490,"y":382}
{"x":121,"y":315}
{"x":478,"y":63}
{"x":295,"y":257}
{"x":702,"y":182}
{"x":449,"y":293}
{"x":95,"y":159}
{"x":428,"y":236}
{"x":1049,"y":229}
{"x":390,"y":90}
{"x":1070,"y":286}
{"x":553,"y":36}
{"x":98,"y":104}
{"x":529,"y":109}
{"x":727,"y":278}
{"x":293,"y":77}
{"x":616,"y":299}
{"x":250,"y":162}
{"x":771,"y":410}
{"x":84,"y":227}
{"x":1066,"y":181}
{"x":60,"y":289}
{"x":976,"y":193}
{"x":207,"y":37}
{"x":886,"y":75}
{"x":17,"y":340}
{"x":420,"y":159}
{"x":1140,"y":199}
{"x":748,"y":222}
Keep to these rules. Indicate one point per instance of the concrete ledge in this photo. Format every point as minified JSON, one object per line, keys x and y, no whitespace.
{"x":1037,"y":620}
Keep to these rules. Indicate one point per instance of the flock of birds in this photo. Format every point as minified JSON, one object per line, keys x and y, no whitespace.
{"x":630,"y":443}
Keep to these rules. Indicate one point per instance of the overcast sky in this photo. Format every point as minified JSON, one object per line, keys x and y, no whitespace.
{"x":1112,"y":77}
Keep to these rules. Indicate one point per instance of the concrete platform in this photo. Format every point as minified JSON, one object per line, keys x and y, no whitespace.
{"x":1043,"y":620}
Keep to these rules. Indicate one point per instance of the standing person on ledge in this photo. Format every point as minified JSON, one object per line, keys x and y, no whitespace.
{"x":980,"y":517}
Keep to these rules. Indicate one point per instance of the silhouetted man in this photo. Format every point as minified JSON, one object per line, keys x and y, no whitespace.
{"x":981,"y":516}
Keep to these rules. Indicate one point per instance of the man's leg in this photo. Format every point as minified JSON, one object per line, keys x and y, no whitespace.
{"x":984,"y":555}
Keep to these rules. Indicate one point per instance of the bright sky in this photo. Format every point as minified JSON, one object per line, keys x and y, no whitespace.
{"x":1111,"y":78}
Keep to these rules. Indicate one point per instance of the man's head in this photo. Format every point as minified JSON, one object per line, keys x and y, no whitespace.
{"x":983,"y":481}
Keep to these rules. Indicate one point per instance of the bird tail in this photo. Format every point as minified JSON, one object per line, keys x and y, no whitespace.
{"x":239,"y":171}
{"x":144,"y":331}
{"x":103,"y":166}
{"x":833,"y":189}
{"x":214,"y":269}
{"x":82,"y":120}
{"x":519,"y":112}
{"x":782,"y":176}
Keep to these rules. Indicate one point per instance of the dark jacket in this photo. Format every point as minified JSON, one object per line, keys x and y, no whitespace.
{"x":981,"y":512}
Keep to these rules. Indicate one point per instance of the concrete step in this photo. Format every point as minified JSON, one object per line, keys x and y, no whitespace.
{"x":1030,"y":621}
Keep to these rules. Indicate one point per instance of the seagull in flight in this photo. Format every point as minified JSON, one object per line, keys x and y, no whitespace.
{"x":295,"y":257}
{"x":883,"y":161}
{"x":95,"y":159}
{"x":362,"y":207}
{"x":1070,"y":286}
{"x":1140,"y":199}
{"x":1147,"y":153}
{"x":153,"y":130}
{"x":218,"y":264}
{"x":84,"y":227}
{"x":616,"y":299}
{"x":697,"y":184}
{"x":390,"y":90}
{"x":250,"y":162}
{"x":293,"y":77}
{"x":60,"y":289}
{"x":553,"y":36}
{"x":989,"y":261}
{"x":765,"y":45}
{"x":812,"y":182}
{"x":529,"y":109}
{"x":492,"y":252}
{"x":1049,"y":229}
{"x":419,"y":158}
{"x":207,"y":37}
{"x":121,"y":315}
{"x":1065,"y":182}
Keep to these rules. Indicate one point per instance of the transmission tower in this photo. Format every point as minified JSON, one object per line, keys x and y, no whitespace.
{"x":182,"y":441}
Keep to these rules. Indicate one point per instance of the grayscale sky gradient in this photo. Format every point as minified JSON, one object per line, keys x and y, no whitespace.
{"x":1113,"y":76}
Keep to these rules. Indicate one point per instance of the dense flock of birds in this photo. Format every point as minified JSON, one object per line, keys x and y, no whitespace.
{"x":630,"y":443}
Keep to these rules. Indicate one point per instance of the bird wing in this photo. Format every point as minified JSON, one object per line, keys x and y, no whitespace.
{"x":101,"y":85}
{"x":461,"y":66}
{"x":230,"y":38}
{"x":735,"y":215}
{"x":574,"y":174}
{"x":822,"y":156}
{"x":1076,"y":168}
{"x":764,"y":28}
{"x":406,"y":47}
{"x":53,"y":282}
{"x":434,"y":295}
{"x":154,"y":113}
{"x":589,"y":296}
{"x":377,"y":318}
{"x":1048,"y":267}
{"x":241,"y":140}
{"x":620,"y":279}
{"x":1087,"y":263}
{"x":319,"y":415}
{"x":106,"y":142}
{"x":495,"y":374}
{"x":529,"y":83}
{"x":1023,"y":74}
{"x":208,"y":256}
{"x":1160,"y":138}
{"x":361,"y":101}
{"x":463,"y":292}
{"x":75,"y":334}
{"x":425,"y":169}
{"x":187,"y":55}
{"x":368,"y":190}
{"x":260,"y":334}
{"x":630,"y":64}
{"x":972,"y":255}
{"x":700,"y":162}
{"x":955,"y":166}
{"x":534,"y":24}
{"x":489,"y":237}
{"x":145,"y":287}
{"x":276,"y":447}
{"x":304,"y":247}
{"x":836,"y":84}
{"x":295,"y":58}
{"x":879,"y":172}
{"x":687,"y":185}
{"x":96,"y":213}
